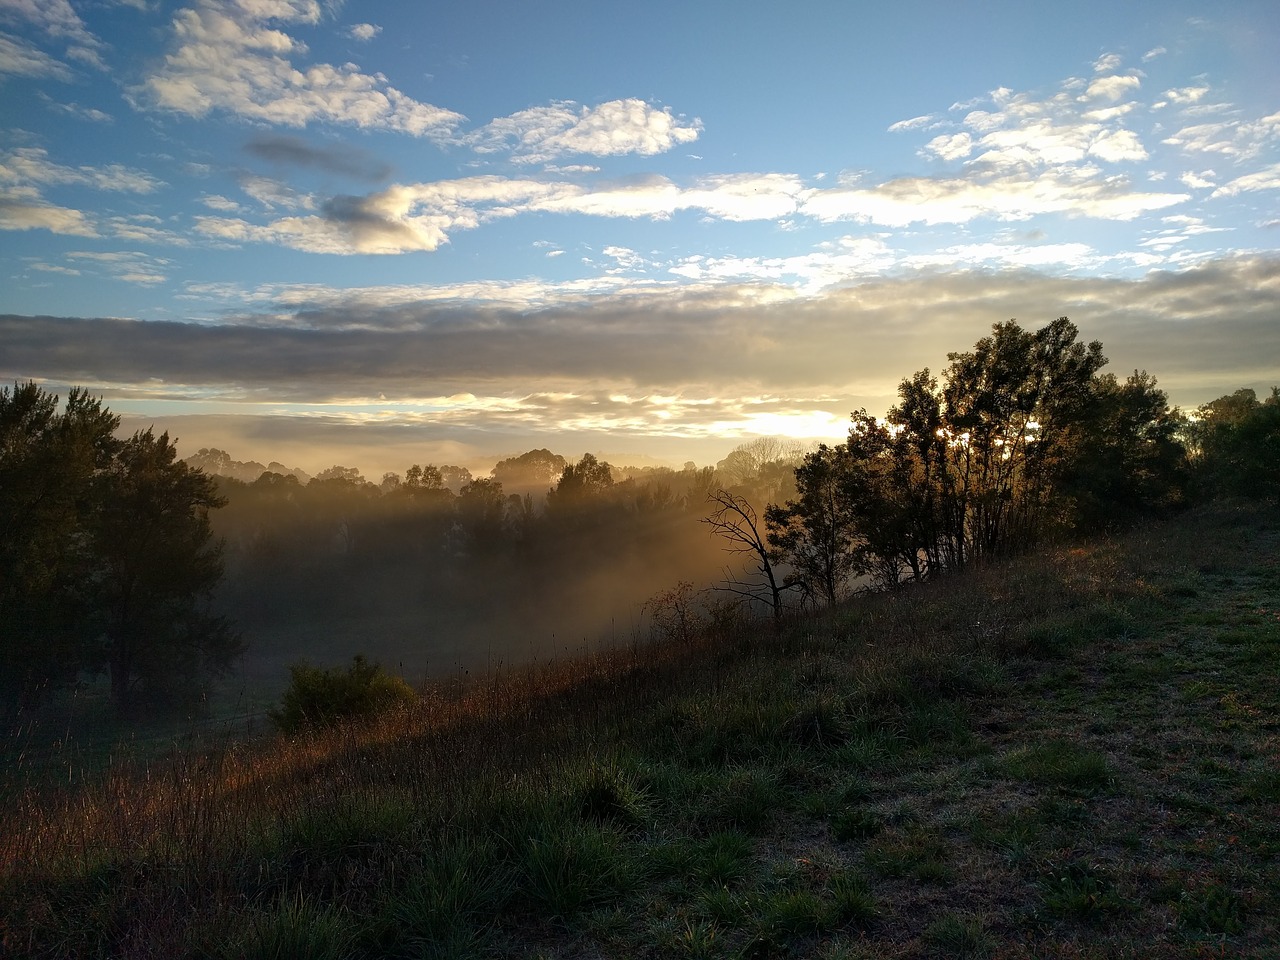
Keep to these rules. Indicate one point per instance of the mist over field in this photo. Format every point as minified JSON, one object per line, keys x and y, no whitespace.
{"x":463,"y":575}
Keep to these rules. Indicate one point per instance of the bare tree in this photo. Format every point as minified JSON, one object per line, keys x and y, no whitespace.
{"x":734,"y":519}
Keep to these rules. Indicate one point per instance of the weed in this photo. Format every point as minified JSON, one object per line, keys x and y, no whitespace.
{"x":1077,"y":889}
{"x":954,"y":935}
{"x":1210,"y":909}
{"x":293,"y":927}
{"x":571,"y":866}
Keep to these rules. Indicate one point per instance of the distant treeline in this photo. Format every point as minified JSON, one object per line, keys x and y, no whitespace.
{"x":111,"y":550}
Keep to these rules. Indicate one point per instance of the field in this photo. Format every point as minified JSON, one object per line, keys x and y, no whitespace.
{"x":1073,"y":755}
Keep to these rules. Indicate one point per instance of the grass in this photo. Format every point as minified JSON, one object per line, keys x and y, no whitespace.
{"x":1073,"y":755}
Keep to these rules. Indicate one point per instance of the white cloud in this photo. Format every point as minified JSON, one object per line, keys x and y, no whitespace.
{"x":19,"y":58}
{"x":1198,"y":181}
{"x":1268,"y":178}
{"x":57,"y":20}
{"x":227,"y":58}
{"x":216,"y":201}
{"x":1237,"y":139}
{"x":23,"y":209}
{"x":129,"y":266}
{"x":1107,"y":63}
{"x":915,"y":123}
{"x":541,"y":134}
{"x":1153,"y":53}
{"x":1118,"y":146}
{"x":1112,"y":87}
{"x":363,"y":31}
{"x":54,"y":268}
{"x":908,"y":200}
{"x":32,"y":165}
{"x":950,"y":147}
{"x":272,"y":193}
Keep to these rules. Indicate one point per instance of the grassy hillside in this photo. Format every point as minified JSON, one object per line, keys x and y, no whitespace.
{"x":1077,"y":755}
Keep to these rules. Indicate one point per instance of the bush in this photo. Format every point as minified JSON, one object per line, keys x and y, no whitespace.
{"x":319,"y":697}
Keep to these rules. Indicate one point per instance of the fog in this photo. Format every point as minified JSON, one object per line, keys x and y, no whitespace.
{"x":437,"y":572}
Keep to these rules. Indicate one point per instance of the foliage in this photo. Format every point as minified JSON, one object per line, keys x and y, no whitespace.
{"x":320,"y":697}
{"x":106,"y":553}
{"x":1019,"y":439}
{"x":155,"y":567}
{"x":1235,"y":441}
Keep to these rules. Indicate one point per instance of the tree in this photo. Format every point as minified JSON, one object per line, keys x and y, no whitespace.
{"x":1019,"y":438}
{"x":106,"y":556}
{"x":481,"y":510}
{"x":48,"y":461}
{"x":733,"y":518}
{"x":580,"y":485}
{"x":816,"y":533}
{"x":154,"y":567}
{"x":533,"y":472}
{"x":1236,"y":444}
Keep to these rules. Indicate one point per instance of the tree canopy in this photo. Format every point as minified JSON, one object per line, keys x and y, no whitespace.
{"x":106,"y":554}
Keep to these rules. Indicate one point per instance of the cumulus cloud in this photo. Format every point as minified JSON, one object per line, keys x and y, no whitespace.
{"x":232,"y":57}
{"x":363,"y":31}
{"x":1112,"y":87}
{"x":564,"y":128}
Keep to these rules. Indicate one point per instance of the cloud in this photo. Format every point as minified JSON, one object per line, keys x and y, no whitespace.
{"x":57,"y":20}
{"x":23,"y":209}
{"x":1153,"y":53}
{"x":1238,"y":139}
{"x":363,"y":31}
{"x":1006,"y":197}
{"x":718,"y":354}
{"x":1112,"y":87}
{"x":227,"y":57}
{"x":271,"y":193}
{"x":915,"y":123}
{"x":950,"y":147}
{"x":565,"y":128}
{"x":19,"y":58}
{"x":1268,"y":178}
{"x":1107,"y":63}
{"x":216,"y":201}
{"x":339,"y":158}
{"x":1198,"y":181}
{"x":31,"y":165}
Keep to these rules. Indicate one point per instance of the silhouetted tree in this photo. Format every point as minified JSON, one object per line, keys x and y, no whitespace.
{"x":48,"y":462}
{"x":734,"y":519}
{"x":1236,"y":444}
{"x":155,"y":566}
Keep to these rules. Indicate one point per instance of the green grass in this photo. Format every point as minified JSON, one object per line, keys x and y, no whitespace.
{"x":1070,"y":755}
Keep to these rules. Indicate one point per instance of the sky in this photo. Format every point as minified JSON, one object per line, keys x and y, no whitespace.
{"x":384,"y":233}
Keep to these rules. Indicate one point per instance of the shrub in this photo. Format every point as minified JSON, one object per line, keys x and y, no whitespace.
{"x":320,"y":697}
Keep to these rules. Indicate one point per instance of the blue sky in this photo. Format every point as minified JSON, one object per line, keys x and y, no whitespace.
{"x":385,"y":233}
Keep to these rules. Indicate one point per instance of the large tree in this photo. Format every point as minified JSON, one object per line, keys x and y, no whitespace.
{"x":106,"y":557}
{"x":48,"y":462}
{"x":156,"y":566}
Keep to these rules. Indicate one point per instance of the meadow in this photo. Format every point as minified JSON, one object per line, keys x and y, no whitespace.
{"x":1072,"y":754}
